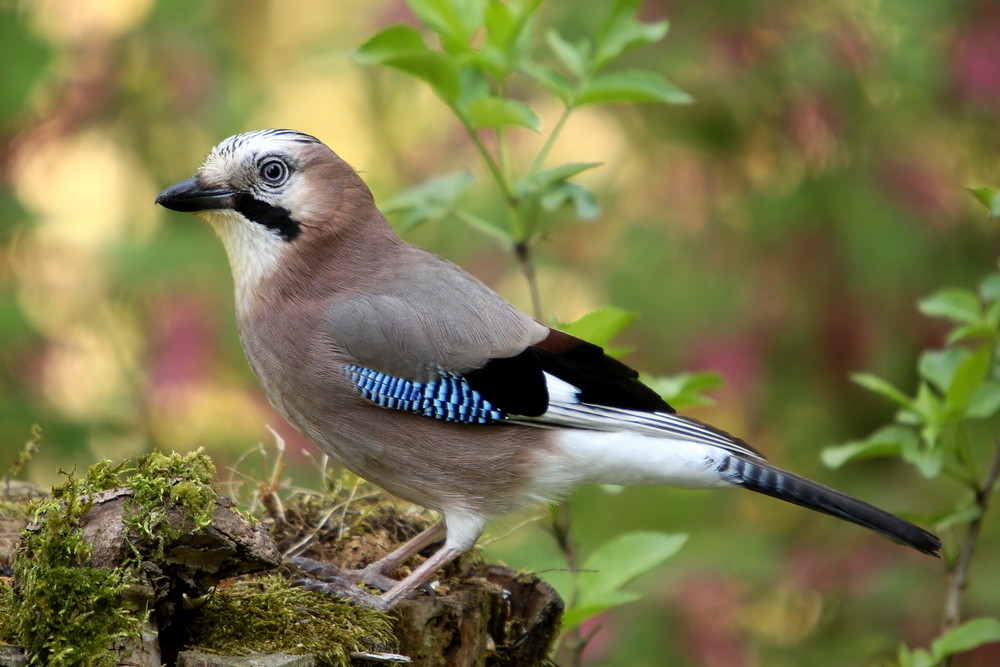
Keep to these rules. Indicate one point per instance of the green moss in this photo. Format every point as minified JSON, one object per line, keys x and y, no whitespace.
{"x":159,"y":481}
{"x":6,"y":605}
{"x":269,"y":615}
{"x":64,"y":612}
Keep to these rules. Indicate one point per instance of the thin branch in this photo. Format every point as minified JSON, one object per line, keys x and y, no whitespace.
{"x":577,"y":643}
{"x":300,"y":546}
{"x":550,"y":140}
{"x":573,"y":642}
{"x":523,"y":251}
{"x":493,"y":540}
{"x":488,"y":158}
{"x":960,"y":575}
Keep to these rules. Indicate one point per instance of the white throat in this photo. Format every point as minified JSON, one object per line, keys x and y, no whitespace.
{"x":254,"y":252}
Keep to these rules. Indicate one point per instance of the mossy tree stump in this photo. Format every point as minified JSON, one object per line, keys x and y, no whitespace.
{"x":175,"y":562}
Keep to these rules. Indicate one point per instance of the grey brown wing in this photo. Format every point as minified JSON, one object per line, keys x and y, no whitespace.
{"x":433,"y":318}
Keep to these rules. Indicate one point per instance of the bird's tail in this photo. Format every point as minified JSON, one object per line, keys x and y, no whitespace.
{"x":764,"y":478}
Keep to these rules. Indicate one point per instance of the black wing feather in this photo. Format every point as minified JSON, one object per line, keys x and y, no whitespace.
{"x":516,"y":385}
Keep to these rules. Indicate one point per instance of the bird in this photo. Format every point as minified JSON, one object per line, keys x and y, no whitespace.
{"x":419,"y":378}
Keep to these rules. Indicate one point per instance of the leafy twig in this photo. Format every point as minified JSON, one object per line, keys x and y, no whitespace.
{"x":482,"y":47}
{"x":959,"y":576}
{"x":959,"y":385}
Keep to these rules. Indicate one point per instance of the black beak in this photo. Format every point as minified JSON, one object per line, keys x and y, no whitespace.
{"x":188,"y":197}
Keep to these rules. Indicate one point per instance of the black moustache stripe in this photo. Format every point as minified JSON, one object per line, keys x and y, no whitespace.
{"x":273,"y":217}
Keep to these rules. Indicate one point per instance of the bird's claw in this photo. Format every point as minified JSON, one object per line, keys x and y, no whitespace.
{"x":332,"y":580}
{"x":321,"y":570}
{"x":345,"y":590}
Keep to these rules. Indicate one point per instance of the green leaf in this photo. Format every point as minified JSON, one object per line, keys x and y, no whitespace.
{"x":954,"y":304}
{"x":436,"y":198}
{"x":401,"y":47}
{"x":928,"y":404}
{"x":393,"y":42}
{"x":577,"y":614}
{"x":927,"y":461}
{"x":616,"y":563}
{"x":509,"y":28}
{"x":621,"y":32}
{"x":455,"y":21}
{"x":623,"y":558}
{"x":879,"y":386}
{"x":553,"y":191}
{"x":627,"y":86}
{"x":473,"y":84}
{"x":549,"y":79}
{"x":992,"y":314}
{"x":507,"y":39}
{"x":967,"y":636}
{"x":964,"y":514}
{"x":928,"y":409}
{"x":487,"y":227}
{"x":988,"y":197}
{"x":502,"y":24}
{"x":496,"y":112}
{"x":579,"y":197}
{"x":915,"y":658}
{"x":685,"y":390}
{"x":938,"y":366}
{"x":968,"y":378}
{"x":573,"y":56}
{"x":887,"y":441}
{"x":600,"y":326}
{"x":985,"y":402}
{"x":549,"y":177}
{"x":989,"y":288}
{"x":974,"y":331}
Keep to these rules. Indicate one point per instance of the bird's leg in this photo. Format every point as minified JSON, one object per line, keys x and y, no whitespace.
{"x":338,"y":581}
{"x":403,"y":552}
{"x":441,"y":557}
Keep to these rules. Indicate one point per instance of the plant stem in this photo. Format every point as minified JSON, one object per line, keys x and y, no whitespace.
{"x":561,"y":529}
{"x":522,"y":249}
{"x":573,"y":642}
{"x":959,"y":576}
{"x":550,"y":141}
{"x":491,"y":163}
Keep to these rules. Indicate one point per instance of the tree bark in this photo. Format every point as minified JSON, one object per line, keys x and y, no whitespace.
{"x":482,"y":615}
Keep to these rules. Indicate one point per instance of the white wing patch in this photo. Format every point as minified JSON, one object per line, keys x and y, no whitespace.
{"x":565,"y":409}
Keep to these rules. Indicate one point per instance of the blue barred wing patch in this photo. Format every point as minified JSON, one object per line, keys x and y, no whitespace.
{"x":448,"y":398}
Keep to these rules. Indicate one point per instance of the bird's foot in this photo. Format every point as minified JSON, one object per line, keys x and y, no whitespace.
{"x":328,"y":572}
{"x":347,"y":583}
{"x":343,"y":588}
{"x":332,"y":580}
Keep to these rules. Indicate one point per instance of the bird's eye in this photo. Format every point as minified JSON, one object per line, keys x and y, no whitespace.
{"x":274,"y":172}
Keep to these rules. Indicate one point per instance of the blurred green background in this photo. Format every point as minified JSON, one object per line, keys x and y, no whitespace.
{"x":778,"y":231}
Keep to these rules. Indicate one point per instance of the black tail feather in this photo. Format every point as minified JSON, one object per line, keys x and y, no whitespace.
{"x":764,"y":478}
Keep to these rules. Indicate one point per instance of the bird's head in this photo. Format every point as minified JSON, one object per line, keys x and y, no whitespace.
{"x":269,"y":193}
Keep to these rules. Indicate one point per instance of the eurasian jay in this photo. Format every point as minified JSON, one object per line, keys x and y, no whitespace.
{"x":419,"y":378}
